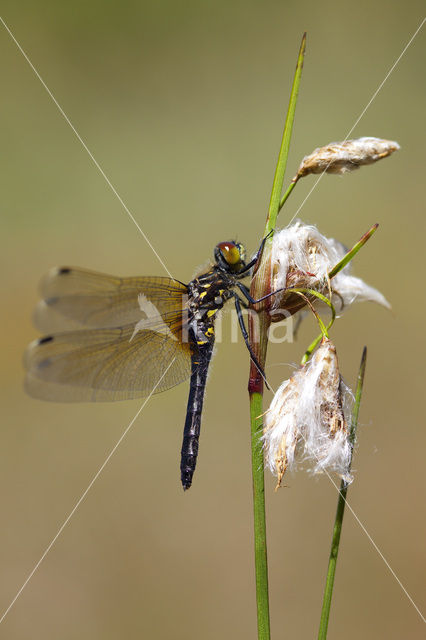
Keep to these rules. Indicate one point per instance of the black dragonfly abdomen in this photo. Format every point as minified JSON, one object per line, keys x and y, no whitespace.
{"x":207,"y":295}
{"x":200,"y":360}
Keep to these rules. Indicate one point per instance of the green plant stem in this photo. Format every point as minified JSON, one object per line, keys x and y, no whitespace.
{"x":256,"y":398}
{"x":286,"y":194}
{"x":324,"y":329}
{"x":277,"y":186}
{"x":348,"y":257}
{"x":338,"y":522}
{"x":261,"y":558}
{"x":311,"y":347}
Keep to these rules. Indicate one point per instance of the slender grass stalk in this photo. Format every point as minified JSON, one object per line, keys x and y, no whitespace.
{"x":277,"y":187}
{"x":348,"y":257}
{"x":338,"y":522}
{"x":260,"y":551}
{"x":256,"y":397}
{"x":316,"y":294}
{"x":287,"y":193}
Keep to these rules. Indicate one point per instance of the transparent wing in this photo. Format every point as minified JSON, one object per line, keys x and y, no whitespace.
{"x":74,"y":297}
{"x":108,"y":364}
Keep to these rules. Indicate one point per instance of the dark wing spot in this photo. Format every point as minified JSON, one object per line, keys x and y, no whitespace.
{"x":64,"y":270}
{"x":51,"y":301}
{"x":45,"y":339}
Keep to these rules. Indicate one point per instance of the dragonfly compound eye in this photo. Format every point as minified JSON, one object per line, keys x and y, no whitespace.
{"x":230,"y":252}
{"x":242,"y":251}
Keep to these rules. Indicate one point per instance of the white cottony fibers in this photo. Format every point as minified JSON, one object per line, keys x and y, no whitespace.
{"x":303,"y":257}
{"x":340,"y":157}
{"x":306,"y":423}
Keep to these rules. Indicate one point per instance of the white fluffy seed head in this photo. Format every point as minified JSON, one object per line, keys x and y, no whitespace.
{"x":303,"y":257}
{"x":340,"y":157}
{"x":305,"y":423}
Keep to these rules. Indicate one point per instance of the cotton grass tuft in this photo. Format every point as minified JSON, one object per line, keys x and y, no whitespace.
{"x":303,"y":257}
{"x":305,"y":423}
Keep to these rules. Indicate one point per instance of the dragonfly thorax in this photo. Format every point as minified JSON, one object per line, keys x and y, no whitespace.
{"x":206,"y":296}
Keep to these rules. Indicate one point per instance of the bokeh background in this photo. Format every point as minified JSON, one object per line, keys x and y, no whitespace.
{"x":182,"y":104}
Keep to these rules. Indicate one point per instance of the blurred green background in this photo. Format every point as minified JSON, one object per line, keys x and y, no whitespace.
{"x":182,"y":104}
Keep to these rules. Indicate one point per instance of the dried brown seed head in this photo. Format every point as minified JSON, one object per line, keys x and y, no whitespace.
{"x":340,"y":157}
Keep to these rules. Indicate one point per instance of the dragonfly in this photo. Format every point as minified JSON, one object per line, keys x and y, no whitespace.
{"x":110,"y":338}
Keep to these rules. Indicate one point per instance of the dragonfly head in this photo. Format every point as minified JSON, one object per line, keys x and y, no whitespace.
{"x":230,"y":256}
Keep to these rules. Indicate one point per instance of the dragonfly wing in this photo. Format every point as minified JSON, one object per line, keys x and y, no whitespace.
{"x":73,"y":298}
{"x":108,"y":364}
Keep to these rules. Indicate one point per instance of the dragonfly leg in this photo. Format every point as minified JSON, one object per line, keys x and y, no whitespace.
{"x":245,"y":291}
{"x":238,"y":309}
{"x":252,"y":262}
